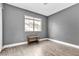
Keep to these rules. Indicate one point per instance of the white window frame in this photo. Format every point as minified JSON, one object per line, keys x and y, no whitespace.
{"x":34,"y":20}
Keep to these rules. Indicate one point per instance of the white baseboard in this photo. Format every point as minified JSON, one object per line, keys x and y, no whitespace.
{"x":64,"y":43}
{"x":57,"y":41}
{"x":0,"y":49}
{"x":43,"y":39}
{"x":17,"y":44}
{"x":12,"y":45}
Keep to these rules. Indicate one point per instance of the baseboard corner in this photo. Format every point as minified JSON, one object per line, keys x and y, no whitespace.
{"x":65,"y":43}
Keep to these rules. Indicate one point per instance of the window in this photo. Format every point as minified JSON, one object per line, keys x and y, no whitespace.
{"x":32,"y":24}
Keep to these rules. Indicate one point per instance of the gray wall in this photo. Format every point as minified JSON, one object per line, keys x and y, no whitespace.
{"x":64,"y":25}
{"x":13,"y":24}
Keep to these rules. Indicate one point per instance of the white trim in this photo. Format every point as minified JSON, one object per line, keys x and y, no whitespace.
{"x":1,"y":30}
{"x":57,"y":41}
{"x":13,"y":45}
{"x":65,"y":43}
{"x":17,"y":44}
{"x":43,"y":39}
{"x":0,"y":49}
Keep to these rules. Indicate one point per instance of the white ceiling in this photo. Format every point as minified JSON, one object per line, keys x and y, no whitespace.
{"x":43,"y":8}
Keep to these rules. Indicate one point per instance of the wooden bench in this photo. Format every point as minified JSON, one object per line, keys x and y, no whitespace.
{"x":32,"y":38}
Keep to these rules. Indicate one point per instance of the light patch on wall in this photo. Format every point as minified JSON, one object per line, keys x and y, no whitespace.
{"x":55,"y":29}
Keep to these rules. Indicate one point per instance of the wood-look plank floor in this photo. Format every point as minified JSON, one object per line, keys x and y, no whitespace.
{"x":43,"y":48}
